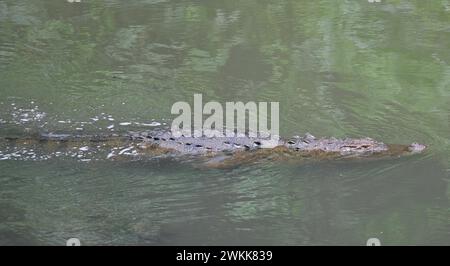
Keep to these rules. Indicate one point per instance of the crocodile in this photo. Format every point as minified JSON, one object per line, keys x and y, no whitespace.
{"x":215,"y":152}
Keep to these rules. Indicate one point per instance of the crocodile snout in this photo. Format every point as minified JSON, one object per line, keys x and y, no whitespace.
{"x":416,"y":147}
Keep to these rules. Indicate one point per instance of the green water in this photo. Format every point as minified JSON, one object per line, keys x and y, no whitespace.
{"x":337,"y":68}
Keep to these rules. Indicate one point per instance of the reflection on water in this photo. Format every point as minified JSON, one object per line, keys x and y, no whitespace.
{"x":338,"y":69}
{"x":164,"y":202}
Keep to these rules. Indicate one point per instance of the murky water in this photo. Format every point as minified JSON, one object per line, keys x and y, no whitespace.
{"x":338,"y":68}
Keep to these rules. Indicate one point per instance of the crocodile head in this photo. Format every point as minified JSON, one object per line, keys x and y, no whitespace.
{"x":333,"y":145}
{"x":352,"y":146}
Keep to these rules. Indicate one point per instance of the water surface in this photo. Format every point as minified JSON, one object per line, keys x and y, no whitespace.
{"x":338,"y":68}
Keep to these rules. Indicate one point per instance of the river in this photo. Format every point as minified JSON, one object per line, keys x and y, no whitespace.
{"x":337,"y":68}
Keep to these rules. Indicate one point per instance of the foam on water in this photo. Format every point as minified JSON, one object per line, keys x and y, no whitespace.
{"x":28,"y":114}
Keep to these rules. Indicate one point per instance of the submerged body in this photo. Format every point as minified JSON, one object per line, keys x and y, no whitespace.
{"x":218,"y":151}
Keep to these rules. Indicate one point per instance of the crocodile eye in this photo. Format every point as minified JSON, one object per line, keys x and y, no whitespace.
{"x":291,"y":142}
{"x":172,"y":138}
{"x":163,"y":139}
{"x":257,"y":143}
{"x":198,"y":146}
{"x":208,"y":148}
{"x":226,"y":142}
{"x":188,"y":144}
{"x":247,"y":147}
{"x":156,"y":138}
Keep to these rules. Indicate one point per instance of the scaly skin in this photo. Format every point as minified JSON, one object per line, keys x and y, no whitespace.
{"x":218,"y":152}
